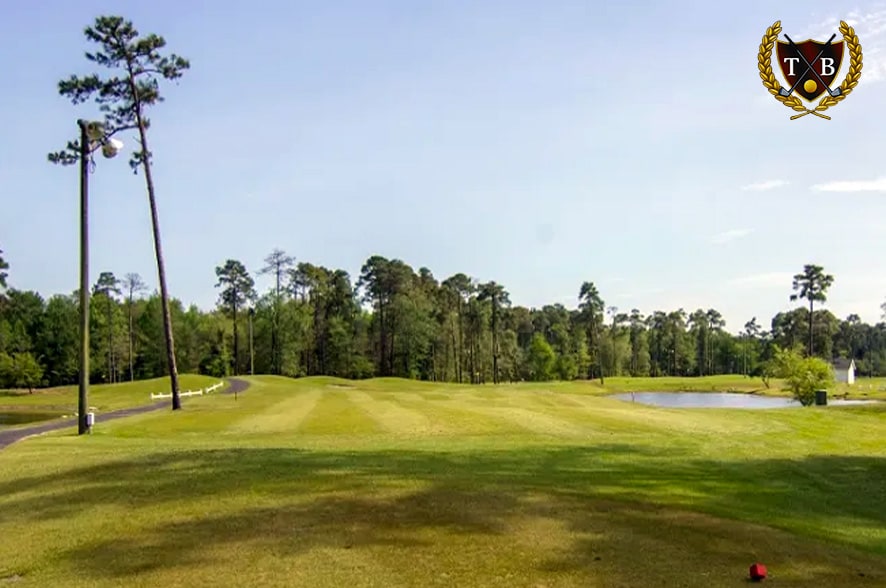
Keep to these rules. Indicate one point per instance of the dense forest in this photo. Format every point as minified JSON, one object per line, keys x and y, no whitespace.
{"x":395,"y":321}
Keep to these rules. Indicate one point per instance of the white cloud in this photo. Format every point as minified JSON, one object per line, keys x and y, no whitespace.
{"x":764,"y":280}
{"x":767,"y":185}
{"x":638,"y":294}
{"x":878,"y":185}
{"x":868,"y":281}
{"x":874,"y":68}
{"x":870,"y":26}
{"x":730,"y":235}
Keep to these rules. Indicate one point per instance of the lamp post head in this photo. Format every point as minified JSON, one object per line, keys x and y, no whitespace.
{"x":111,"y":148}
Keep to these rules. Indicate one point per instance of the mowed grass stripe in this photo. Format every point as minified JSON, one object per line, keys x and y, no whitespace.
{"x":581,"y":416}
{"x":455,"y":417}
{"x":535,"y":421}
{"x":178,"y":498}
{"x":545,"y":415}
{"x":541,"y":399}
{"x":281,"y":417}
{"x":519,"y":412}
{"x":618,"y":415}
{"x":394,"y":417}
{"x":336,"y":414}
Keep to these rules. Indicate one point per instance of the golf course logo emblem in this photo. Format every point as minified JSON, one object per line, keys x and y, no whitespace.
{"x":810,"y":69}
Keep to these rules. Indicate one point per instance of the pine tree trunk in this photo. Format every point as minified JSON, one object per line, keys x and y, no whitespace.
{"x":275,"y":352}
{"x":110,"y":343}
{"x":236,"y":340}
{"x":591,"y":351}
{"x":599,"y":361}
{"x":494,"y":346}
{"x":131,"y":370}
{"x":390,"y":360}
{"x":382,"y":339}
{"x":161,"y":269}
{"x":461,"y":343}
{"x":251,"y":353}
{"x":453,"y":344}
{"x":473,"y":366}
{"x":810,"y":328}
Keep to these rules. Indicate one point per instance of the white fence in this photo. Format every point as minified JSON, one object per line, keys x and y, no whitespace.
{"x":201,"y":392}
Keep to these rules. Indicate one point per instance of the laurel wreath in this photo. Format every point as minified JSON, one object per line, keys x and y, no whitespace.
{"x":764,"y":64}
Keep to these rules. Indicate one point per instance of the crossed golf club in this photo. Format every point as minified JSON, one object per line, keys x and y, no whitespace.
{"x":809,"y":67}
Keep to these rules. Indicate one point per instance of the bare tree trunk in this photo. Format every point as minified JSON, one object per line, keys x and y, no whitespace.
{"x":158,"y":250}
{"x":131,"y":370}
{"x":591,"y":351}
{"x":382,"y":339}
{"x":473,"y":367}
{"x":161,"y":267}
{"x":494,"y":345}
{"x":461,"y":343}
{"x":251,"y":349}
{"x":810,"y":328}
{"x":275,"y":352}
{"x":599,"y":360}
{"x":274,"y":359}
{"x":110,"y":342}
{"x":236,"y":342}
{"x":391,"y":351}
{"x":453,"y":343}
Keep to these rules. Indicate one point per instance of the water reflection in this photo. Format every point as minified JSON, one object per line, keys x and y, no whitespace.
{"x":719,"y":400}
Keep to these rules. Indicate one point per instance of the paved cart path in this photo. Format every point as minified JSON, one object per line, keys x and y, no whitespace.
{"x":9,"y":437}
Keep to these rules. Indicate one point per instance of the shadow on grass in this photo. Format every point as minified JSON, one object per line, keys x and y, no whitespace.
{"x":624,"y":510}
{"x":322,"y":522}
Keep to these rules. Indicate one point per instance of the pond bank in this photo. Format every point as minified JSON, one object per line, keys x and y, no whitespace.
{"x":678,"y":399}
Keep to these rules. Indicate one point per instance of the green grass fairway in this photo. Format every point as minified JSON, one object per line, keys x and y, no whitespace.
{"x":102,"y":397}
{"x":323,"y":482}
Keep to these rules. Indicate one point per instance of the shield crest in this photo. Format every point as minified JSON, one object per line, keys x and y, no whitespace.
{"x":799,"y":76}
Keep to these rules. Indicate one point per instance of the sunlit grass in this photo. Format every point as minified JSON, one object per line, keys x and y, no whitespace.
{"x":102,"y":397}
{"x":326,"y":482}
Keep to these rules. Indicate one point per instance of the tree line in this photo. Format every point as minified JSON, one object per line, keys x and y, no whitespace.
{"x":395,"y":321}
{"x":390,"y":321}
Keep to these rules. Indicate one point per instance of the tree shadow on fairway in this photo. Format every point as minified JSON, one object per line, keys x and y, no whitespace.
{"x":321,"y":522}
{"x":614,"y":507}
{"x":631,"y":544}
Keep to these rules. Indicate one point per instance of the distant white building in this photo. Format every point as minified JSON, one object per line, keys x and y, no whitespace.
{"x":844,"y":370}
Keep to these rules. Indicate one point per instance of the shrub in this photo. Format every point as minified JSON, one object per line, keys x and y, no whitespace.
{"x":803,"y":375}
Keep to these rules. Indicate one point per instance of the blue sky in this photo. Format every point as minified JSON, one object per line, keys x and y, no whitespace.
{"x":539,"y":144}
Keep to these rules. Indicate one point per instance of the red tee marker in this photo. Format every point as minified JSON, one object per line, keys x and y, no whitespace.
{"x":758,"y":572}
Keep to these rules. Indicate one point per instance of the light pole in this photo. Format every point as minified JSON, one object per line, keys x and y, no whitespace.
{"x":83,"y":390}
{"x":92,"y":135}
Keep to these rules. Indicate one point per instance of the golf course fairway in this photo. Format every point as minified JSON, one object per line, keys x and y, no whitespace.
{"x":386,"y":482}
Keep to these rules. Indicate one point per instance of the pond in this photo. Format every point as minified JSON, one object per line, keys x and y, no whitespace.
{"x":720,"y":400}
{"x":21,"y":417}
